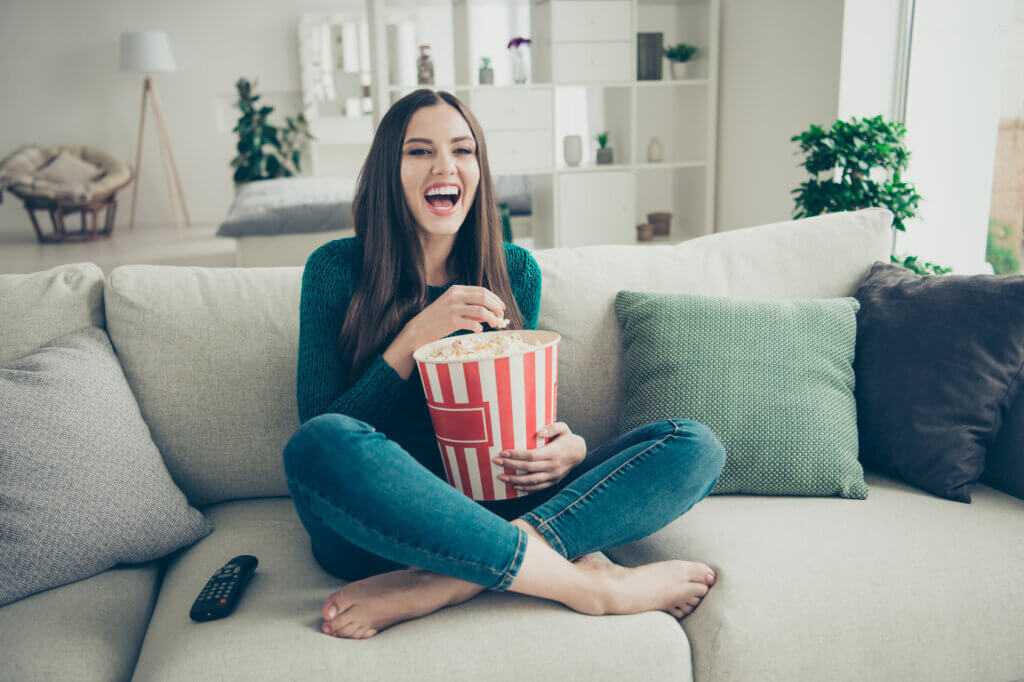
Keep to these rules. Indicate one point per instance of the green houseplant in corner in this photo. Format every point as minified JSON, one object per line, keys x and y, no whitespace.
{"x":265,"y":151}
{"x":857,"y":164}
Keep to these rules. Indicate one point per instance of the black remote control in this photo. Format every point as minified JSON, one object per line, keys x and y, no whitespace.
{"x":220,"y":595}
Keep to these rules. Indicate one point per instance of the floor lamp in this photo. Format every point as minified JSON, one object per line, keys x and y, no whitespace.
{"x":148,"y":52}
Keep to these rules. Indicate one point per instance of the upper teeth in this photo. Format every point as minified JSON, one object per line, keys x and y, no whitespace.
{"x":442,"y":190}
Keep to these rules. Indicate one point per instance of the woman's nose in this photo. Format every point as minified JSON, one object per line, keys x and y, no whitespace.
{"x":444,"y":162}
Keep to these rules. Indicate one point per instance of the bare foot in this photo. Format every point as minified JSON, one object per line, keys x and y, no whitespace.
{"x":363,"y":608}
{"x":675,"y":586}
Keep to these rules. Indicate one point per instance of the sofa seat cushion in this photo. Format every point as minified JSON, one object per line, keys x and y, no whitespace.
{"x":88,"y":630}
{"x":274,"y":632}
{"x":902,"y":585}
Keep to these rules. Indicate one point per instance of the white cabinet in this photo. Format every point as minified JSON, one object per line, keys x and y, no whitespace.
{"x":592,"y":62}
{"x":583,"y":80}
{"x":592,"y":20}
{"x":594,"y":206}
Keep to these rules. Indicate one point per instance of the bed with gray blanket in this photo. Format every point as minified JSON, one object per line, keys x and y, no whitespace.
{"x":281,"y":221}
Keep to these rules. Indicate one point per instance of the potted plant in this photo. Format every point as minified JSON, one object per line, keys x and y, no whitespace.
{"x":265,"y":151}
{"x":841,"y":160}
{"x":680,"y":55}
{"x":486,"y":72}
{"x":517,"y":47}
{"x":604,"y":153}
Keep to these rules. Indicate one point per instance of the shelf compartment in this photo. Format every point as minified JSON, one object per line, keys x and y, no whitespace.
{"x":678,"y":117}
{"x":680,"y":191}
{"x":587,"y":112}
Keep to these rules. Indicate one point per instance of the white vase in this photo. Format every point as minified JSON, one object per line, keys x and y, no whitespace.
{"x":655,"y":150}
{"x":680,"y":70}
{"x":572,"y":147}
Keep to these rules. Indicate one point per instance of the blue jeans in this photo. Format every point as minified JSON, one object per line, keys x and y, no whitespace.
{"x":370,"y":507}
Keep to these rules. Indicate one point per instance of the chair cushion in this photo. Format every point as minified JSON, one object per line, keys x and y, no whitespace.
{"x":903,"y":585}
{"x":47,"y":304}
{"x":822,"y":257}
{"x":274,"y":632}
{"x":67,"y":169}
{"x":772,"y":379}
{"x":90,"y":630}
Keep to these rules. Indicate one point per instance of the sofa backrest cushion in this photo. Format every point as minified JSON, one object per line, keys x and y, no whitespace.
{"x":42,"y":306}
{"x":211,"y":356}
{"x":211,"y":353}
{"x":822,"y":257}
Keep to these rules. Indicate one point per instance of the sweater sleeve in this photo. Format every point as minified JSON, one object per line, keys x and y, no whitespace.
{"x":327,"y":286}
{"x":524,"y":276}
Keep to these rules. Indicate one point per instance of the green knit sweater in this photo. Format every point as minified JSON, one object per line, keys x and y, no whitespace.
{"x":380,"y":397}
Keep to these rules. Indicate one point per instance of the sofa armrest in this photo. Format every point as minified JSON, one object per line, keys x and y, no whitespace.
{"x":1004,"y":462}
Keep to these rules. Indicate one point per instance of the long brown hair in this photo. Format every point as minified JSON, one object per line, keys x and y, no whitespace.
{"x":392,"y":287}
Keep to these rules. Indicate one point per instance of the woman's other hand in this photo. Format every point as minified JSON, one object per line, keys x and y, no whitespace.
{"x":546,"y":465}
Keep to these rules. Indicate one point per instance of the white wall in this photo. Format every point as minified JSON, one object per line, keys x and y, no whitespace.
{"x":779,"y":73}
{"x":1012,"y":98}
{"x":956,"y":70}
{"x":62,"y":84}
{"x":870,"y":58}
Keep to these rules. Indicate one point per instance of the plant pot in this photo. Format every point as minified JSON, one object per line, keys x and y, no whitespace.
{"x":604,"y":156}
{"x":660,"y":221}
{"x":644,"y":232}
{"x":680,"y":70}
{"x":487,"y":76}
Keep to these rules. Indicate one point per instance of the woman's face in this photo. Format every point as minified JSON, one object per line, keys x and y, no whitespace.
{"x":440,"y":172}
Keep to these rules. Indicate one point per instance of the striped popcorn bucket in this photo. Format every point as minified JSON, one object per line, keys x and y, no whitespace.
{"x":481,"y":407}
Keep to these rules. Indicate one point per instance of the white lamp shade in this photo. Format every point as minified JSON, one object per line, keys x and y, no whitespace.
{"x":146,"y":51}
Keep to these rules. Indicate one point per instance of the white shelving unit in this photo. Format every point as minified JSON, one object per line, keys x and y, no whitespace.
{"x":582,"y":81}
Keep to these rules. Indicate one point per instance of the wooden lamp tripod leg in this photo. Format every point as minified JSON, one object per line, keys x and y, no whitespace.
{"x":158,"y":109}
{"x":138,"y":152}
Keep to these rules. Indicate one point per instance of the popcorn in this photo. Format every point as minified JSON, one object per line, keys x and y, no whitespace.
{"x":474,"y":347}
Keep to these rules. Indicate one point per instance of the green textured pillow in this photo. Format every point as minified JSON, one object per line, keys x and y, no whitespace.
{"x":772,"y":379}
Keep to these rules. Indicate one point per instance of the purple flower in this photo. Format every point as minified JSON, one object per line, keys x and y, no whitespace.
{"x":516,"y":42}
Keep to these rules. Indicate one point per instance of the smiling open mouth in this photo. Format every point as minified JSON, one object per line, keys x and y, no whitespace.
{"x":443,"y":198}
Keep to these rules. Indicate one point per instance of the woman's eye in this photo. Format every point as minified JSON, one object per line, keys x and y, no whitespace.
{"x":420,"y":152}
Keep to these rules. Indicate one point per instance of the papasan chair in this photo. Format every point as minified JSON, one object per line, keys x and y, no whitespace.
{"x":64,"y":180}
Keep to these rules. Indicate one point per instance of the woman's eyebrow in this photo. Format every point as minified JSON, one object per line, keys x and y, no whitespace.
{"x":424,"y":140}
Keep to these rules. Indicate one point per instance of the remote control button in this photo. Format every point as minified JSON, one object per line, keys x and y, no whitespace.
{"x":223,"y":601}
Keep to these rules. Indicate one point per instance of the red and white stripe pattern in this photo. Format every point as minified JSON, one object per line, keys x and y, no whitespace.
{"x":482,"y":407}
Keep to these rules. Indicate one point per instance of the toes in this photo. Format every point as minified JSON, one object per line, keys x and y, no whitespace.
{"x":369,"y":633}
{"x":338,"y":622}
{"x":701,"y":589}
{"x":702,"y":573}
{"x":333,"y":606}
{"x":348,"y":630}
{"x":693,"y":601}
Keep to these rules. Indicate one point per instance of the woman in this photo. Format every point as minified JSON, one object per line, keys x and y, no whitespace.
{"x":364,"y":469}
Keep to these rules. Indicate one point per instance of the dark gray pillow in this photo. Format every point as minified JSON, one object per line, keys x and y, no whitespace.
{"x":82,"y":485}
{"x":938,"y":364}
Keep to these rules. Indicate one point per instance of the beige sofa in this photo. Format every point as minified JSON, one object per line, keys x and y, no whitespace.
{"x":902,"y":585}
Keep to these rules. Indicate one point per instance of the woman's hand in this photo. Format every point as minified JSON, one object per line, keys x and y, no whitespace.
{"x":548,"y":464}
{"x":460,"y":307}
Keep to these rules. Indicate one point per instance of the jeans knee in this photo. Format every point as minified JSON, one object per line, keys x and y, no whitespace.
{"x":710,"y":453}
{"x":325,"y":435}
